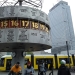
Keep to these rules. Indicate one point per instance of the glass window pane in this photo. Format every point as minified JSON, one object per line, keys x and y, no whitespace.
{"x":2,"y":62}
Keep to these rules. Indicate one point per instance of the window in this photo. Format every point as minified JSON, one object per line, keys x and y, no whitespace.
{"x":66,"y":59}
{"x":2,"y":62}
{"x":47,"y":60}
{"x":8,"y":62}
{"x":26,"y":60}
{"x":37,"y":61}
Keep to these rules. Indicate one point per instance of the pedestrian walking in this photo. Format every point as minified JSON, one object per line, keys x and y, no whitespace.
{"x":63,"y":70}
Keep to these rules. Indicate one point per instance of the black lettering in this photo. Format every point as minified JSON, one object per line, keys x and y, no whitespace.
{"x":34,"y":34}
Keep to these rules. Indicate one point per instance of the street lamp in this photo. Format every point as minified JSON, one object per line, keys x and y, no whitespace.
{"x":68,"y":53}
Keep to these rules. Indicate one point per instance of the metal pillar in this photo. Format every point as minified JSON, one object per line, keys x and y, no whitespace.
{"x":20,"y":2}
{"x":68,"y":53}
{"x":18,"y":57}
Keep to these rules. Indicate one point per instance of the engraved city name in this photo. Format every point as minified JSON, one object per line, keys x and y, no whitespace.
{"x":23,"y":24}
{"x":12,"y":12}
{"x":34,"y":34}
{"x":1,"y":12}
{"x":34,"y":12}
{"x":23,"y":10}
{"x":42,"y":36}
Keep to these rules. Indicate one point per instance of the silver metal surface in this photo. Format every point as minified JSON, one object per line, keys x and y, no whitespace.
{"x":14,"y":35}
{"x":14,"y":38}
{"x":23,"y":12}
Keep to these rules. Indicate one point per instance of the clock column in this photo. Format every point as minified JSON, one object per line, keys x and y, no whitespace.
{"x":19,"y":56}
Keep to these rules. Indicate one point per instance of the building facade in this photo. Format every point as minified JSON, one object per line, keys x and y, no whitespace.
{"x":61,"y":27}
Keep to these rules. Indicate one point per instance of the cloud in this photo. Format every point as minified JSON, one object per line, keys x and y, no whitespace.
{"x":49,"y":50}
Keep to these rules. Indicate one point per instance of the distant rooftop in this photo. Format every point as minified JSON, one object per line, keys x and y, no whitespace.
{"x":61,"y":2}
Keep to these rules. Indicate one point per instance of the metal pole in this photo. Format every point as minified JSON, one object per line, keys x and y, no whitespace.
{"x":20,"y":2}
{"x":68,"y":53}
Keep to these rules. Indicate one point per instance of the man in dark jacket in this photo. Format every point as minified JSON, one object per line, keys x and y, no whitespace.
{"x":63,"y":70}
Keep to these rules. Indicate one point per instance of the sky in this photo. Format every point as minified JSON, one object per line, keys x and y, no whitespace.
{"x":48,"y":4}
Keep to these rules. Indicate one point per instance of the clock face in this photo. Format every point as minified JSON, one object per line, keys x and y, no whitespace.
{"x":13,"y":54}
{"x":24,"y":53}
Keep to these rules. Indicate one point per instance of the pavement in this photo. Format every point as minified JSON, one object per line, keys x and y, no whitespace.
{"x":36,"y":73}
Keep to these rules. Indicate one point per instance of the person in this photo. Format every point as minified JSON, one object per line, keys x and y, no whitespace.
{"x":51,"y":68}
{"x":16,"y":69}
{"x":29,"y":70}
{"x":41,"y":68}
{"x":46,"y":65}
{"x":8,"y":65}
{"x":63,"y":70}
